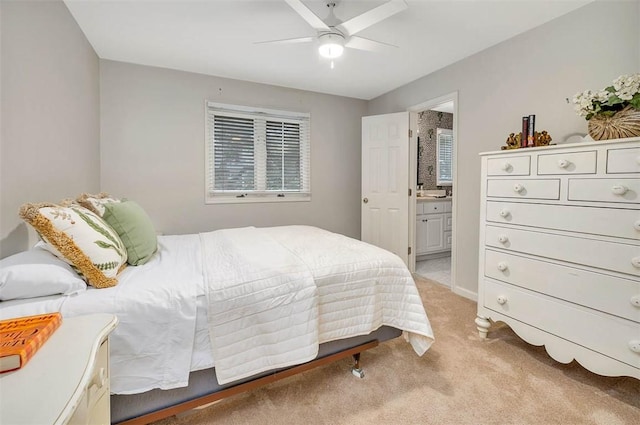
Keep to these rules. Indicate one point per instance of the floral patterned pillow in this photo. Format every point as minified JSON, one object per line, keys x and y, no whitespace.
{"x":81,"y":238}
{"x":96,"y":203}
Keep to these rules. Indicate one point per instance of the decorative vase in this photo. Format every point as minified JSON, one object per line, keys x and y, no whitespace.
{"x":624,"y":123}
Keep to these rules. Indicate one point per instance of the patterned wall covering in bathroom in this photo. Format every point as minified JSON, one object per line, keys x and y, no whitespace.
{"x":428,"y":123}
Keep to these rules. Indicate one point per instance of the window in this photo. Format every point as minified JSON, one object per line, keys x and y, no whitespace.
{"x":444,"y":163}
{"x":256,"y":155}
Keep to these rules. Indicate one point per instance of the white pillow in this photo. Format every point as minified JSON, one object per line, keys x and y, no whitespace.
{"x":37,"y":273}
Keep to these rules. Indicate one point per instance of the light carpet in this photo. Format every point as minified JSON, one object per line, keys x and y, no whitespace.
{"x":460,"y":380}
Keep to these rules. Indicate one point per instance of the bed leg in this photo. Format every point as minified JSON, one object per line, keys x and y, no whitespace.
{"x":356,"y":369}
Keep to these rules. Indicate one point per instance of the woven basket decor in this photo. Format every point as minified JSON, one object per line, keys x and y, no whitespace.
{"x":625,"y":123}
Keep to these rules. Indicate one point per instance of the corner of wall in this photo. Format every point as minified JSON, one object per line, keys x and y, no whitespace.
{"x":49,"y":68}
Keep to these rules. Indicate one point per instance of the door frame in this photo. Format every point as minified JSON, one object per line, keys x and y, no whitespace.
{"x":413,"y":164}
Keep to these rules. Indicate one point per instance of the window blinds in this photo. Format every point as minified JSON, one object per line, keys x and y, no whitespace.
{"x":445,"y":158}
{"x":256,"y":153}
{"x":233,"y":153}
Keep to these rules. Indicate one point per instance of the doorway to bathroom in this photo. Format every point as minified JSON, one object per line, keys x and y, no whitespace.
{"x":435,"y":184}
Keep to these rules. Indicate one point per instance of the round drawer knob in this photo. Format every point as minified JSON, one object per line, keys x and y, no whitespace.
{"x":502,"y":300}
{"x":503,"y":238}
{"x":518,"y":188}
{"x":634,"y":345}
{"x":502,"y":266}
{"x":635,"y":262}
{"x":619,"y":189}
{"x":636,"y":225}
{"x":505,"y":213}
{"x":506,"y":166}
{"x":635,"y":301}
{"x":563,"y":163}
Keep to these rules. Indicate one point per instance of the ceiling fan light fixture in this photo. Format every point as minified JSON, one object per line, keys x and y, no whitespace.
{"x":331,"y":45}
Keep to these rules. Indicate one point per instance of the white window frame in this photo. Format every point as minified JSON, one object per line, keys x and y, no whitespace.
{"x":213,"y":196}
{"x":440,"y":181}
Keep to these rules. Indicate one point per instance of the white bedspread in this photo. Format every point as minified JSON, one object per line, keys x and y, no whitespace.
{"x":263,"y":311}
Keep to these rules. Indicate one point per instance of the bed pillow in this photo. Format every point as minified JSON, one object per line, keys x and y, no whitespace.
{"x":96,"y":203}
{"x":134,"y":227}
{"x":37,"y":273}
{"x":81,"y":238}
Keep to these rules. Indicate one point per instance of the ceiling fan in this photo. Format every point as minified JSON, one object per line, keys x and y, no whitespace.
{"x":333,"y":35}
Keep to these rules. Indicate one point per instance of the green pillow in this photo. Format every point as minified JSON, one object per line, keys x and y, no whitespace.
{"x":135,"y":229}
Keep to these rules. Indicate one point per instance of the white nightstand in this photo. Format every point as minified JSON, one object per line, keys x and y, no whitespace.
{"x":66,"y":381}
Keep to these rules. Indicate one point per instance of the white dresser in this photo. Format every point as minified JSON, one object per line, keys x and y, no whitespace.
{"x":560,"y":251}
{"x":66,"y":381}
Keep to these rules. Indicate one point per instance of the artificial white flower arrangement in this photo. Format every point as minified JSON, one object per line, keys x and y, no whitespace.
{"x":624,"y":92}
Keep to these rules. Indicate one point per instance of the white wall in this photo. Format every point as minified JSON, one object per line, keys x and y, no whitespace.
{"x":49,"y":146}
{"x":529,"y":74}
{"x":152,"y":149}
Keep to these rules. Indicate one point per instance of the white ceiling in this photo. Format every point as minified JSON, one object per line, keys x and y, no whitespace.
{"x":217,"y":37}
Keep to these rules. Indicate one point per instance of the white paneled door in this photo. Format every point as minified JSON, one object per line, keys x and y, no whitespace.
{"x":385,"y":182}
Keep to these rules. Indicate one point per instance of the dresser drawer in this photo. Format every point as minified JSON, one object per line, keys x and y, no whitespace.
{"x":623,"y":223}
{"x":567,"y":163}
{"x":605,"y":190}
{"x":599,"y":332}
{"x":99,"y":384}
{"x":620,"y":257}
{"x":613,"y":295}
{"x":526,"y":189}
{"x":511,"y":166}
{"x":623,"y":160}
{"x":94,"y":407}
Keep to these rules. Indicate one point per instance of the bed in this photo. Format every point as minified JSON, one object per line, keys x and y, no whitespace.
{"x":211,"y":313}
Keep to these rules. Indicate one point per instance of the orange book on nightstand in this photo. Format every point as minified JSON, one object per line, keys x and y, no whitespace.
{"x":21,"y":337}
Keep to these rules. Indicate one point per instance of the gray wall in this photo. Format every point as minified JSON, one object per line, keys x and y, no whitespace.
{"x":152,"y":149}
{"x":585,"y":49}
{"x":50,"y":113}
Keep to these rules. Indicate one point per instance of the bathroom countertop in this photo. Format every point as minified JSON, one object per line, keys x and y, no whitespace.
{"x":432,"y":199}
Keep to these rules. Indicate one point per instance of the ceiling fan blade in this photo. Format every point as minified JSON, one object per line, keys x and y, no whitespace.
{"x":362,"y":43}
{"x":308,"y":15}
{"x":287,"y":41}
{"x":373,"y":16}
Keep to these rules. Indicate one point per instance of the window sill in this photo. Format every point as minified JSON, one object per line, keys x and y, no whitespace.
{"x":255,"y":200}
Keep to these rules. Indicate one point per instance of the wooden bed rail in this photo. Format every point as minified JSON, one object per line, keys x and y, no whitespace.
{"x":247,"y":386}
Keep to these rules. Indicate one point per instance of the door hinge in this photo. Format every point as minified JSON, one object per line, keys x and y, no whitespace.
{"x":410,"y":192}
{"x":409,"y":250}
{"x":410,"y":133}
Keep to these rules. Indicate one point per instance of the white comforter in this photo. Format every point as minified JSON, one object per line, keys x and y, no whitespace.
{"x":276,"y":293}
{"x":333,"y":287}
{"x":360,"y":286}
{"x":263,"y":304}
